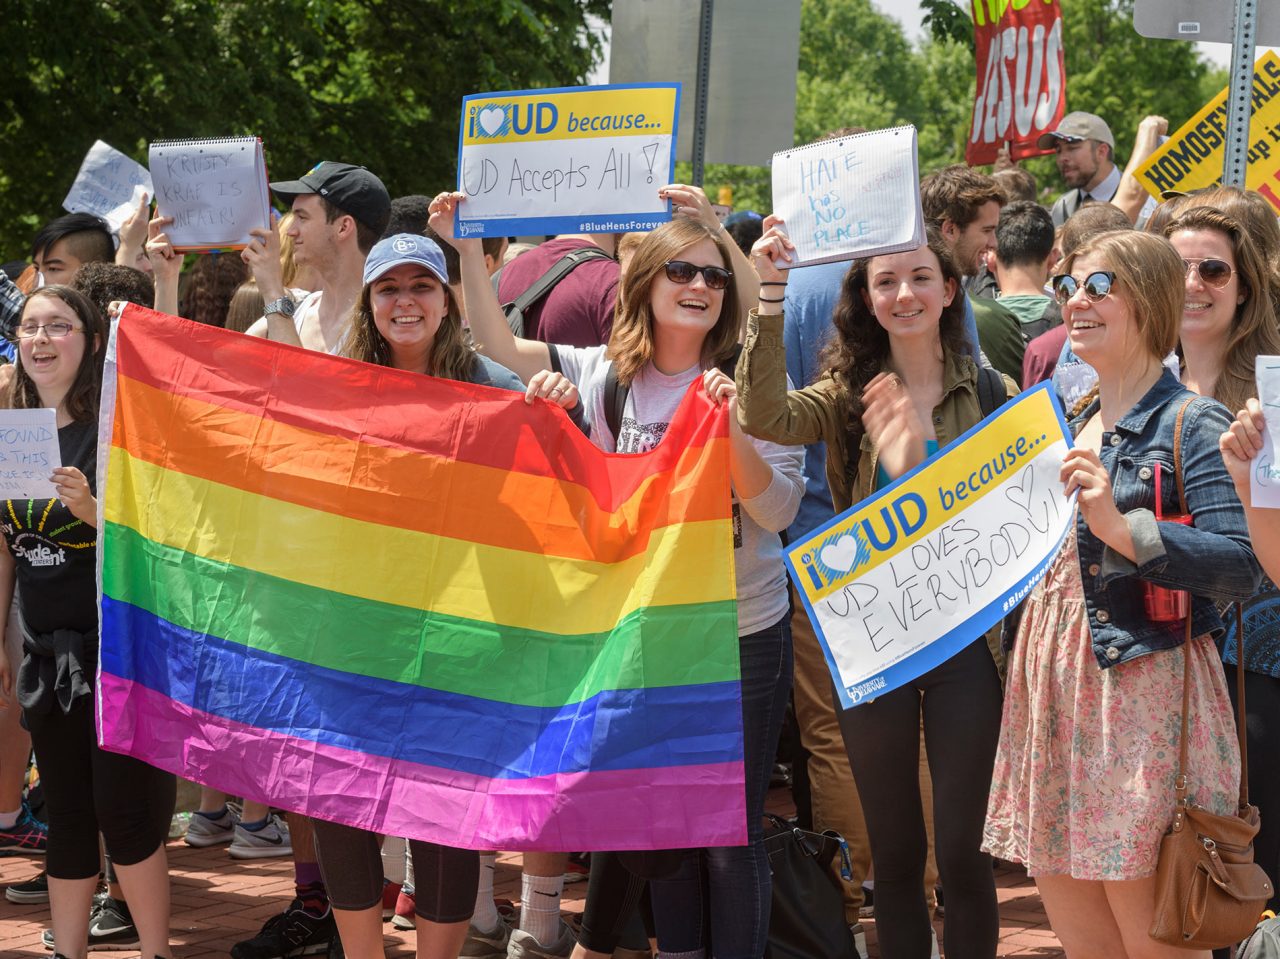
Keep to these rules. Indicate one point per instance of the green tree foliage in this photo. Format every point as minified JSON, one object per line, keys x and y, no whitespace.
{"x":377,"y":82}
{"x":858,"y":69}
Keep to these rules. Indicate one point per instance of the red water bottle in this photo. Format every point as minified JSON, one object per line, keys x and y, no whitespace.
{"x":1166,"y":605}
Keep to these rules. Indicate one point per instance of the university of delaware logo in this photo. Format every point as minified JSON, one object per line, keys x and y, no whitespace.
{"x":504,"y":119}
{"x":845,"y":551}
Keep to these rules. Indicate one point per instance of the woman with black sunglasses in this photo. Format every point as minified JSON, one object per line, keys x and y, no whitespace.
{"x":1084,"y":784}
{"x":1228,"y":321}
{"x":677,"y":322}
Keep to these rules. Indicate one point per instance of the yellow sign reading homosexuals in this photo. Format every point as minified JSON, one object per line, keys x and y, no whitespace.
{"x":1192,"y":158}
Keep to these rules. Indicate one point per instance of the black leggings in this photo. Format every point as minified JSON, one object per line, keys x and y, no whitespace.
{"x":88,"y":790}
{"x":961,"y":702}
{"x":445,"y":879}
{"x":614,"y":894}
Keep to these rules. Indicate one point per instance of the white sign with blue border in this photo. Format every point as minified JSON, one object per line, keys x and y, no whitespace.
{"x":907,"y":578}
{"x":566,"y":160}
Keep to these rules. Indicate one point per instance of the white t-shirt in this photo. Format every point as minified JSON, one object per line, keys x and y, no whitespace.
{"x":650,"y":404}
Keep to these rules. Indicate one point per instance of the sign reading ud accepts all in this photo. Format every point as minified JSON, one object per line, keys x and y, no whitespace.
{"x":1022,"y":77}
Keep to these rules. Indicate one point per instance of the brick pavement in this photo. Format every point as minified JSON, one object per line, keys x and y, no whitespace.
{"x":218,"y":901}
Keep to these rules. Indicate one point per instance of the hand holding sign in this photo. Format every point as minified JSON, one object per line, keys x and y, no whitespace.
{"x":1241,"y":444}
{"x":444,"y":211}
{"x":1082,"y":470}
{"x":773,"y":248}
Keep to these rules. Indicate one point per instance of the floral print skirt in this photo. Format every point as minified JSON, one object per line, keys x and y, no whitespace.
{"x":1084,"y":774}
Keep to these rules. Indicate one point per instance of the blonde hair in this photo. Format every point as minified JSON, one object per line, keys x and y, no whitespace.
{"x":1149,"y":276}
{"x":451,"y":357}
{"x":631,"y":344}
{"x":245,"y":307}
{"x":1253,"y":328}
{"x":288,"y":265}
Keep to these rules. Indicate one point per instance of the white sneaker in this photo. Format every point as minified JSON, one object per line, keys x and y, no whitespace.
{"x":268,"y":842}
{"x":859,"y":939}
{"x":203,"y":831}
{"x":524,"y":946}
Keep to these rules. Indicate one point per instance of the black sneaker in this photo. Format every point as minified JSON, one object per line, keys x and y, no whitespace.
{"x":33,"y":890}
{"x":295,"y":932}
{"x":111,"y":928}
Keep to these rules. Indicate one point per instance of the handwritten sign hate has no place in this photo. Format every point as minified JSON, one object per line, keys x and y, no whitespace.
{"x":856,"y":196}
{"x":215,"y":190}
{"x":570,"y":160}
{"x":28,"y":453}
{"x":910,"y":576}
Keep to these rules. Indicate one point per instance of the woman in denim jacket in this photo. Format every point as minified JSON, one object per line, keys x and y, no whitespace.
{"x":1084,"y":778}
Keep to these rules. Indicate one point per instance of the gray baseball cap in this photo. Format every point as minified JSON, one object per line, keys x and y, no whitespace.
{"x":1078,"y":126}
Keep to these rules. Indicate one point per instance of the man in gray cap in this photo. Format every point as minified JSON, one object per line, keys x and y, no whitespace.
{"x":340,"y":211}
{"x":1086,"y":159}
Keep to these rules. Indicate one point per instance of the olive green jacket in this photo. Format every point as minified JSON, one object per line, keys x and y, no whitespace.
{"x":820,"y":413}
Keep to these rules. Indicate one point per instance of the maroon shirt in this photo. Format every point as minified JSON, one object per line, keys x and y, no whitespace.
{"x":1041,"y":356}
{"x":579,"y":310}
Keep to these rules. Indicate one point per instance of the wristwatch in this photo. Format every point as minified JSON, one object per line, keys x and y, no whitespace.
{"x":283,"y":305}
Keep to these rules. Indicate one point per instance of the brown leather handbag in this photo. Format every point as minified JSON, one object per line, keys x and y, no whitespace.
{"x":1209,"y":892}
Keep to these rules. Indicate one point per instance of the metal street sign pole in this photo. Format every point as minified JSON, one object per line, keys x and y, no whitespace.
{"x":1240,"y":99}
{"x":702,"y":91}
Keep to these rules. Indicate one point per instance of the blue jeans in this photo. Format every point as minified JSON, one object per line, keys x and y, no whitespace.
{"x":737,"y":893}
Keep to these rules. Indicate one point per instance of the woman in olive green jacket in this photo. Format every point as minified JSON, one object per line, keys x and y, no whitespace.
{"x":898,"y":385}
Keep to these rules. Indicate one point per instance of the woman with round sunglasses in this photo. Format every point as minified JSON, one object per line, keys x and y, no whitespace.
{"x":48,"y":552}
{"x":1228,"y":321}
{"x":406,"y":319}
{"x":1084,"y":784}
{"x":677,"y":322}
{"x":898,"y":384}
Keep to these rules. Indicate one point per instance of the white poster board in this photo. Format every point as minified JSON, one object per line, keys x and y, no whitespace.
{"x":109,"y":184}
{"x":852,"y":197}
{"x":1264,"y":478}
{"x":28,"y":453}
{"x":570,"y":160}
{"x":914,"y":573}
{"x":215,"y":190}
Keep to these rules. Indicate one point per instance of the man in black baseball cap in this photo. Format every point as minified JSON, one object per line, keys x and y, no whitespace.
{"x":339,"y":212}
{"x":352,"y":189}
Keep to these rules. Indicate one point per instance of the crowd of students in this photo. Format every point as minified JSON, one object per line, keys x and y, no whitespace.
{"x":1050,"y":742}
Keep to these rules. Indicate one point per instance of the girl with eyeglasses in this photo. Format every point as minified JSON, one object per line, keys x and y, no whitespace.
{"x":48,"y":550}
{"x":677,"y":323}
{"x":1084,"y":778}
{"x":1228,"y":321}
{"x":898,"y":384}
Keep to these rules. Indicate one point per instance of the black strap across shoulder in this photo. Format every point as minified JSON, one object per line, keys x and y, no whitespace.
{"x":516,"y":309}
{"x":615,"y":394}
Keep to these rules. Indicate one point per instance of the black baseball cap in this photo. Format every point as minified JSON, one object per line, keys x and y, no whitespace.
{"x":352,"y":189}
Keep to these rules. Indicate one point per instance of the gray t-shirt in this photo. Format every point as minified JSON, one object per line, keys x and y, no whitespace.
{"x":650,"y":405}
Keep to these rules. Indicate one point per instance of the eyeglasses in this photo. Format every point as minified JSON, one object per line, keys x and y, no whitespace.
{"x":1097,"y":286}
{"x":1212,"y":271}
{"x":52,"y":330}
{"x":678,"y":271}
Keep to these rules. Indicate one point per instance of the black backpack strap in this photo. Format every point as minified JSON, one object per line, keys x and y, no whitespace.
{"x":515,"y":310}
{"x":991,"y":391}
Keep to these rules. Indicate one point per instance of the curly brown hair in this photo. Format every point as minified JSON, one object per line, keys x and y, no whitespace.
{"x":860,"y":348}
{"x":631,"y":343}
{"x":213,"y":280}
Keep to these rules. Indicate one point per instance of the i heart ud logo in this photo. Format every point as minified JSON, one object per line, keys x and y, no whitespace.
{"x":840,"y":555}
{"x":493,"y":121}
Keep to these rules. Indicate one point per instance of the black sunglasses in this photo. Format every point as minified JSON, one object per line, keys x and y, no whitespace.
{"x":1097,"y":286}
{"x":678,"y":271}
{"x":1212,"y":271}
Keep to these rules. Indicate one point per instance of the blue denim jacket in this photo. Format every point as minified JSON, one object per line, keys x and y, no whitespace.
{"x":1213,"y":559}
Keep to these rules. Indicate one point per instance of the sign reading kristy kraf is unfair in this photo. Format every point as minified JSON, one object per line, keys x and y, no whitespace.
{"x":910,"y":576}
{"x":568,"y":160}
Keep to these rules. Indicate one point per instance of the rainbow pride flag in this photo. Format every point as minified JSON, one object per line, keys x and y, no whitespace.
{"x":411,"y":605}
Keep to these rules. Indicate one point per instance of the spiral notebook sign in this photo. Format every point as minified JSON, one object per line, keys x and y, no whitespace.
{"x":215,"y":190}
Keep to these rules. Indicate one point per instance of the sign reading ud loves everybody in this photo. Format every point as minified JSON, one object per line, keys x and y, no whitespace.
{"x":568,"y":160}
{"x":910,"y":576}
